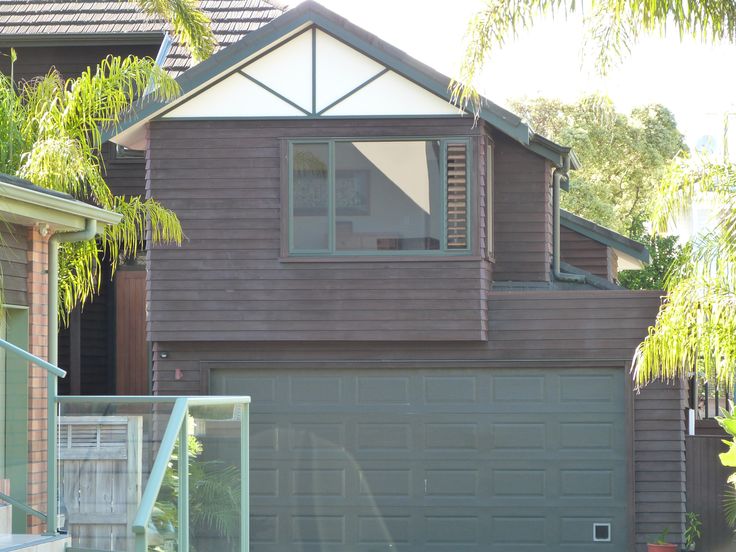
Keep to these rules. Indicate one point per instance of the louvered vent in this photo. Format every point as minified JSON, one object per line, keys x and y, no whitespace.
{"x":93,"y":437}
{"x":457,"y":197}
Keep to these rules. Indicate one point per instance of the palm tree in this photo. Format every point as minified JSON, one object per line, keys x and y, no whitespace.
{"x":695,"y":330}
{"x":190,"y":25}
{"x":50,"y":134}
{"x":613,"y":26}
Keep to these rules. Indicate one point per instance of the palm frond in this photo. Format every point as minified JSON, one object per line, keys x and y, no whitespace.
{"x":55,"y":129}
{"x":612,"y":28}
{"x":729,"y":505}
{"x":191,"y":25}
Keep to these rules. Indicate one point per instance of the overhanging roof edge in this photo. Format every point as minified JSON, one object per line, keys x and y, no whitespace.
{"x":604,"y":235}
{"x":311,"y":12}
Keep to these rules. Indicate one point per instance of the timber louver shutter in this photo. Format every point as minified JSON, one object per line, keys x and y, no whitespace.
{"x":457,"y":196}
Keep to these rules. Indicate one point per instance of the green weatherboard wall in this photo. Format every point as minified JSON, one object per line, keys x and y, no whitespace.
{"x":461,"y":459}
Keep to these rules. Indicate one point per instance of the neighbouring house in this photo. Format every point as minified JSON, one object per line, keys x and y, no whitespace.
{"x":79,"y":473}
{"x":429,"y":368}
{"x":29,"y":217}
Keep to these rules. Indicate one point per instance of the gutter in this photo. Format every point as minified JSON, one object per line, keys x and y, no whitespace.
{"x":560,"y":174}
{"x":56,"y":201}
{"x":89,"y":232}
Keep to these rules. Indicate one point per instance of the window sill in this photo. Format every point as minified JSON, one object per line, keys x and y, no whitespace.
{"x":381,"y":258}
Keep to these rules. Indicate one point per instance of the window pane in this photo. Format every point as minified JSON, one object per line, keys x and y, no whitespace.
{"x":388,"y":196}
{"x":310,"y":197}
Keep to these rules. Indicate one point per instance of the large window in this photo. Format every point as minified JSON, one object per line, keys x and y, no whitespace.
{"x":379,"y":197}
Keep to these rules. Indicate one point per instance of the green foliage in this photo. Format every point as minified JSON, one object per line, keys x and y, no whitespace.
{"x":727,"y":421}
{"x":214,"y":498}
{"x":662,"y":539}
{"x":191,"y":25}
{"x":665,"y":253}
{"x":623,"y":156}
{"x":693,"y":530}
{"x":612,"y":26}
{"x":51,"y":134}
{"x":695,"y":329}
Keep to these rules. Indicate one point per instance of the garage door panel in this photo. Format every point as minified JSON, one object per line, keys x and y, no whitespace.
{"x":445,"y":460}
{"x":454,"y":528}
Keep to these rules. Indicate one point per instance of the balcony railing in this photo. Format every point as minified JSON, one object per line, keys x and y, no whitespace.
{"x":146,"y":473}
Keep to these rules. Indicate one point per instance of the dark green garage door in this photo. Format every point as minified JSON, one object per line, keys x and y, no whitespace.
{"x":446,"y":460}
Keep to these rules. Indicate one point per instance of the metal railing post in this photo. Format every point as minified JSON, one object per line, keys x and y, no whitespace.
{"x":184,"y":487}
{"x":51,"y":491}
{"x":245,"y":479}
{"x":141,"y":542}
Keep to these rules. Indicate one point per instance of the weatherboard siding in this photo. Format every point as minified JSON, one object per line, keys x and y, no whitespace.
{"x":14,"y":264}
{"x":659,"y":462}
{"x":554,"y":329}
{"x":523,"y":213}
{"x":228,"y":283}
{"x":585,"y":253}
{"x":595,"y":328}
{"x":125,"y":177}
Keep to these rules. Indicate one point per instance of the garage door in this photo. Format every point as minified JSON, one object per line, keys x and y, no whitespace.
{"x":416,"y":460}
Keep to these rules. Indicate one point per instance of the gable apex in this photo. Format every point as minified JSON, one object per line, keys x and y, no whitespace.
{"x":321,"y":22}
{"x":317,"y":76}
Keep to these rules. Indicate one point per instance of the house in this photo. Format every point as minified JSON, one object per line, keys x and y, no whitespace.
{"x":429,"y":369}
{"x":98,"y":462}
{"x":31,"y":217}
{"x":69,"y":37}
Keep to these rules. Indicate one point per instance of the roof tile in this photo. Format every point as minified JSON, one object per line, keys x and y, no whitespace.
{"x":231,"y":19}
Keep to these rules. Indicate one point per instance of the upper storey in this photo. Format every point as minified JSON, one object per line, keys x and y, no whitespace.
{"x":328,"y":191}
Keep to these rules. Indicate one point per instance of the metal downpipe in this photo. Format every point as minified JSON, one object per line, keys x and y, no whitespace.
{"x":89,"y":232}
{"x":557,"y":176}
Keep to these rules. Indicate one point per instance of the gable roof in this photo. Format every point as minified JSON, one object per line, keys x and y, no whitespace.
{"x":114,"y":21}
{"x":230,"y":59}
{"x":605,"y":236}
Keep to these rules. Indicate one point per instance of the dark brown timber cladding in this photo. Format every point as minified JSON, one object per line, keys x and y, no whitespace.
{"x":584,"y":253}
{"x":659,"y":460}
{"x":13,"y":264}
{"x":227,"y":282}
{"x":523,"y":213}
{"x":70,"y":61}
{"x":555,"y":329}
{"x":125,"y":177}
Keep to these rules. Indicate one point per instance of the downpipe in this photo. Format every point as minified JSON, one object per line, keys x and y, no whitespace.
{"x":89,"y":232}
{"x":557,"y":176}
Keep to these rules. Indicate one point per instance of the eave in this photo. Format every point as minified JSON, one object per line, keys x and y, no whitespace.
{"x":28,"y":206}
{"x":635,"y":250}
{"x":80,"y":39}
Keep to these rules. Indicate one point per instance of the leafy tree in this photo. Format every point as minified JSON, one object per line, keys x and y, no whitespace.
{"x":665,"y":252}
{"x":623,"y":157}
{"x":50,"y":134}
{"x":695,"y":330}
{"x":613,"y":26}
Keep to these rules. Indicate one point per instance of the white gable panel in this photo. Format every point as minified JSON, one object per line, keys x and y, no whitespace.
{"x":392,"y":94}
{"x":288,"y":70}
{"x":235,"y":96}
{"x":340,"y":69}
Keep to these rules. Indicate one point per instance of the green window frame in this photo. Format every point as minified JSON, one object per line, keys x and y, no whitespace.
{"x":331,"y":251}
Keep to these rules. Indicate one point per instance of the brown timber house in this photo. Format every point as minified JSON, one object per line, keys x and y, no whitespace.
{"x":428,"y":370}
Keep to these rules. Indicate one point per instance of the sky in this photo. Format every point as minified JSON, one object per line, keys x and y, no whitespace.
{"x":696,"y":81}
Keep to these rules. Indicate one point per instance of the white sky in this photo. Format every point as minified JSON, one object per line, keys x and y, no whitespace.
{"x":694,"y":80}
